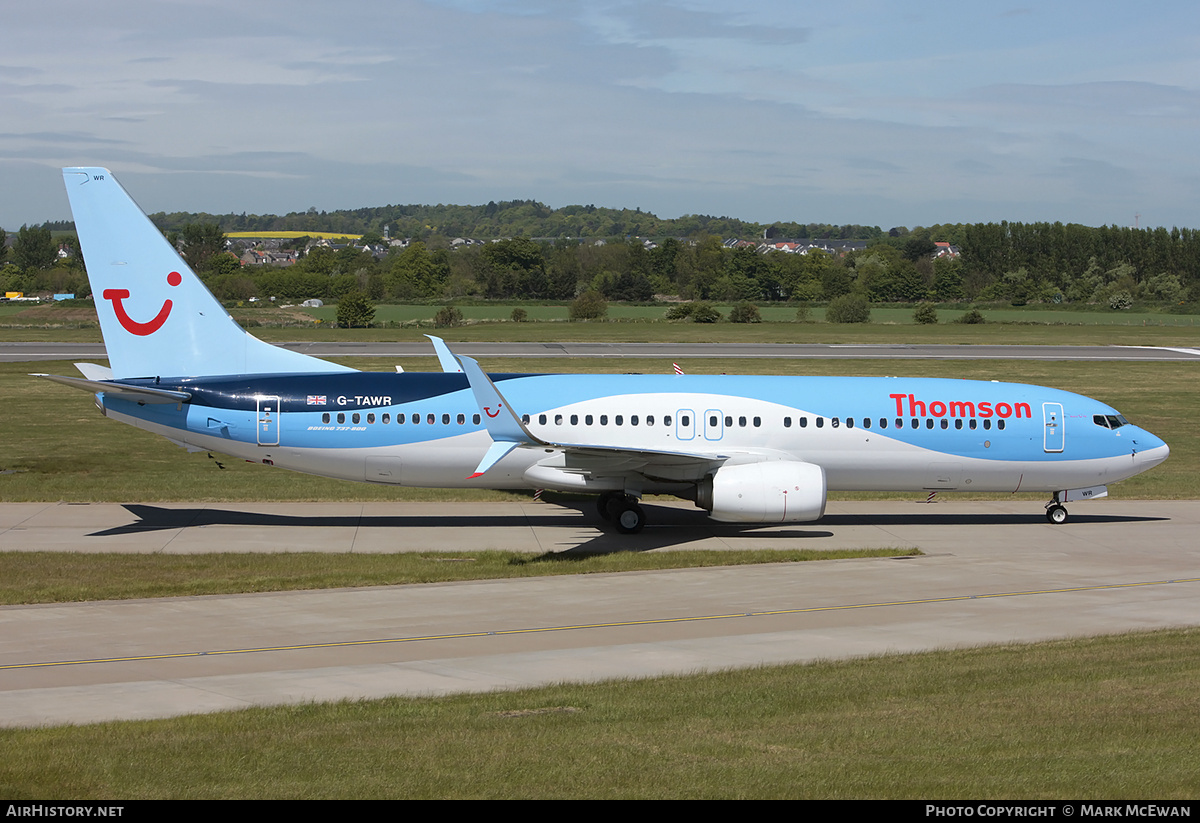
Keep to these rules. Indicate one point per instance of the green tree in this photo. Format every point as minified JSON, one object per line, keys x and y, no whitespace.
{"x":590,"y":305}
{"x":745,"y":312}
{"x":355,"y":310}
{"x":849,"y":308}
{"x":34,"y":248}
{"x":201,"y":242}
{"x":447,"y":317}
{"x":925,"y":314}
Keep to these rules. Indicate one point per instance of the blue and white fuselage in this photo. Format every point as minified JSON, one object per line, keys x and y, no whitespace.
{"x":745,"y":448}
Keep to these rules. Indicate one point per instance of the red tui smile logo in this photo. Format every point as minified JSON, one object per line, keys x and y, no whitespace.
{"x":128,"y":323}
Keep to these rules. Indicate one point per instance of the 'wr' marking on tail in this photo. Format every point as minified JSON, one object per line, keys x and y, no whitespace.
{"x":128,"y":323}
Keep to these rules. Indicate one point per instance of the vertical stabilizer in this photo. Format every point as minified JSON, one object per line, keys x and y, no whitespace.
{"x":157,"y":318}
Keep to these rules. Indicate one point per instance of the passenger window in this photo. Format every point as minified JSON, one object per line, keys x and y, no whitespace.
{"x":987,"y":424}
{"x":916,"y":424}
{"x":929,"y":422}
{"x":787,"y":422}
{"x":619,"y":420}
{"x":742,"y":422}
{"x":835,"y":422}
{"x":729,"y":422}
{"x":387,"y":418}
{"x":684,"y":421}
{"x":356,"y":418}
{"x":341,"y":417}
{"x":325,"y":417}
{"x":431,"y":419}
{"x":558,"y":418}
{"x":541,"y":419}
{"x":574,"y":420}
{"x":475,"y":418}
{"x":1000,"y":425}
{"x":820,"y":422}
{"x":945,"y":423}
{"x":633,"y":420}
{"x":462,"y":419}
{"x":371,"y":417}
{"x":525,"y":419}
{"x":804,"y":422}
{"x":712,"y":421}
{"x":445,"y":420}
{"x":866,"y":422}
{"x":649,"y":420}
{"x":849,"y":422}
{"x":757,"y":422}
{"x":604,"y":420}
{"x":958,"y":423}
{"x":588,"y":420}
{"x":973,"y":424}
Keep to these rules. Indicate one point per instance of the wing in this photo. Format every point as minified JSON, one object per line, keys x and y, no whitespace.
{"x":582,"y":465}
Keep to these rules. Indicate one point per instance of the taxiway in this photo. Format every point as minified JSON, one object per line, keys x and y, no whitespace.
{"x":993,"y":572}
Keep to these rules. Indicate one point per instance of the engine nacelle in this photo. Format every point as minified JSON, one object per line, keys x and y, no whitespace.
{"x":776,"y":491}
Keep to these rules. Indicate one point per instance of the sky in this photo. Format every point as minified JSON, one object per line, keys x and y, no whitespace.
{"x":865,"y":111}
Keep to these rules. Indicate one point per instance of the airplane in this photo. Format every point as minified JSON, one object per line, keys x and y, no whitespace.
{"x":746,"y":449}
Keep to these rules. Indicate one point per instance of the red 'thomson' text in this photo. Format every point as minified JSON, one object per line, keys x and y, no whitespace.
{"x":958,"y":408}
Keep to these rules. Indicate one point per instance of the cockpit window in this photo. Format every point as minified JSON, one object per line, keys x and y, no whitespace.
{"x":1110,"y":421}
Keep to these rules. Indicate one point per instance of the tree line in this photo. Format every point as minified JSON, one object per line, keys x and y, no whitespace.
{"x":1013,"y":262}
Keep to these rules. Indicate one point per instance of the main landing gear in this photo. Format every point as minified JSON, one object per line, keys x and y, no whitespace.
{"x":622,"y":510}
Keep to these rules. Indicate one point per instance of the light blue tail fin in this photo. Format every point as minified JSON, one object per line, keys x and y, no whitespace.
{"x":157,"y":318}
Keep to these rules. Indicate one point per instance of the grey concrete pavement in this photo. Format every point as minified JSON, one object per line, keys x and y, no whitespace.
{"x":994,"y":572}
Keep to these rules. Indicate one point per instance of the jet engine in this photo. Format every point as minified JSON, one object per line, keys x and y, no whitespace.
{"x":777,"y":491}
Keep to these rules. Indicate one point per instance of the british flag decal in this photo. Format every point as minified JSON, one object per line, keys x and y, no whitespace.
{"x":316,"y":400}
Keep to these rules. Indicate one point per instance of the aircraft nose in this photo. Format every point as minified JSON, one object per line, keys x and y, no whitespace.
{"x":1150,"y":450}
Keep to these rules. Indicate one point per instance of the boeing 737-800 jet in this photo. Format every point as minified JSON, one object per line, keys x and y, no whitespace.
{"x":746,"y":449}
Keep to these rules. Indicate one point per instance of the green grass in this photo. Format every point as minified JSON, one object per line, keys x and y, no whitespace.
{"x":58,"y":447}
{"x":1030,"y":326}
{"x":56,"y":577}
{"x":1102,"y":718}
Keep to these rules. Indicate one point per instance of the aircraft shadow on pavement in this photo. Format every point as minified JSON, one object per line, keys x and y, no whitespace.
{"x":670,"y":526}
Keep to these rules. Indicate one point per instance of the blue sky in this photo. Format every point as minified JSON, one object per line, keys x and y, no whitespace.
{"x":871,"y":112}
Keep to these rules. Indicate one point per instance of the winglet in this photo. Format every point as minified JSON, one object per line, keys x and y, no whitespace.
{"x":446,"y":358}
{"x":503,"y":424}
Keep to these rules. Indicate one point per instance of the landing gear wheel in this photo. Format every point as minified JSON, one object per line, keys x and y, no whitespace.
{"x":604,"y":505}
{"x":629,"y":517}
{"x":1056,"y":514}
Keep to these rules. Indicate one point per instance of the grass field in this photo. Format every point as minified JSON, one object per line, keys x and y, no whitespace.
{"x":1113,"y":717}
{"x":635,"y":324}
{"x":55,"y":577}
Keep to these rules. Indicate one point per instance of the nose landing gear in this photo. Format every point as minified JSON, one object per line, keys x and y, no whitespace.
{"x":1056,"y":513}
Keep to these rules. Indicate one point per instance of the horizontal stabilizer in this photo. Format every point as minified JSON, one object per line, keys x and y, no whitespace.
{"x":94,"y":371}
{"x":140,"y":394}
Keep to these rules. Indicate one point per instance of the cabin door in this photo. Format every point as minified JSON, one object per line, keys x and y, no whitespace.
{"x":1052,"y":417}
{"x":268,"y":421}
